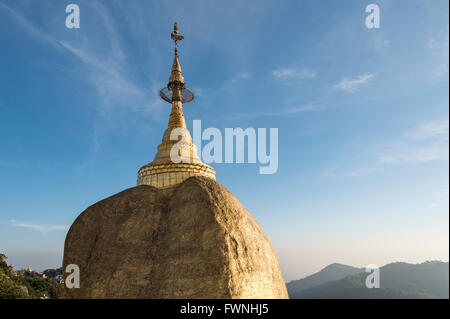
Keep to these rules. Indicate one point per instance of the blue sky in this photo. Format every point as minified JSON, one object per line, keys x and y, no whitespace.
{"x":362,"y":117}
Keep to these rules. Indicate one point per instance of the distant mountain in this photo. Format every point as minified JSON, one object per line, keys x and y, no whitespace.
{"x":397,"y":281}
{"x":330,"y":273}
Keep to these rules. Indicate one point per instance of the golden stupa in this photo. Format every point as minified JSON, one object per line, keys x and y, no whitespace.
{"x":185,"y":237}
{"x":176,"y":159}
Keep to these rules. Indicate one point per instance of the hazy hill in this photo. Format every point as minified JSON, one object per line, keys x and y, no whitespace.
{"x":331,"y":272}
{"x":397,"y":280}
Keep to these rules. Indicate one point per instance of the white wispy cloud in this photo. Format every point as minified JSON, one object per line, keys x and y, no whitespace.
{"x":432,"y":205}
{"x":105,"y":68}
{"x":424,"y":143}
{"x":291,"y":73}
{"x":349,"y":172}
{"x":101,"y":60}
{"x":360,"y":171}
{"x":438,"y":47}
{"x":112,"y":84}
{"x":352,"y":85}
{"x":40,"y":228}
{"x":237,"y":80}
{"x":27,"y":25}
{"x":244,"y":76}
{"x":283,"y":112}
{"x":402,"y":153}
{"x":301,"y":109}
{"x":438,"y":129}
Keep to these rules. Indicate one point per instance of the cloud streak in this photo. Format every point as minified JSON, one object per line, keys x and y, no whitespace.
{"x":283,"y":112}
{"x":424,"y":143}
{"x":244,"y":76}
{"x":40,"y":228}
{"x":290,"y":73}
{"x":352,"y":85}
{"x":111,"y":77}
{"x":438,"y":47}
{"x":27,"y":25}
{"x":349,"y":172}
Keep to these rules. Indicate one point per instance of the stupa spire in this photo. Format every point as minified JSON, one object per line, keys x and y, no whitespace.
{"x":176,"y":78}
{"x":176,"y":84}
{"x":164,"y":171}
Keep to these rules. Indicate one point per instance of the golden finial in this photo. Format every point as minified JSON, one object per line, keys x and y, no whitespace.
{"x":176,"y":89}
{"x":176,"y":78}
{"x":175,"y":36}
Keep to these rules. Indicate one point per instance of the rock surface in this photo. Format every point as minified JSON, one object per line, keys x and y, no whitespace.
{"x":192,"y":241}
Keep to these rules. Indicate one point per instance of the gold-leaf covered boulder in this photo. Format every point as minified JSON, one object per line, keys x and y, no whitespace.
{"x":195,"y":240}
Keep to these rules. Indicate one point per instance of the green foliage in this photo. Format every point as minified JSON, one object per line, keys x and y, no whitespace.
{"x":4,"y":267}
{"x":16,"y":285}
{"x":52,"y":273}
{"x":39,"y":287}
{"x":8,"y":291}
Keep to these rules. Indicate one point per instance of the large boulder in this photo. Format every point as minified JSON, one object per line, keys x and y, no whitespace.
{"x":195,"y":240}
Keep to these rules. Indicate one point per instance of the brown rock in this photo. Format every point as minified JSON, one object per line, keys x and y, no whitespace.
{"x":192,"y":241}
